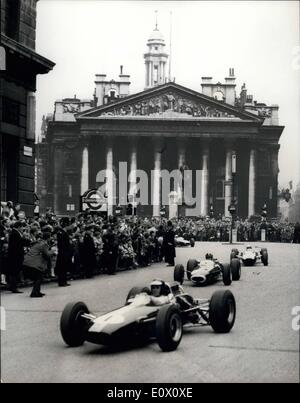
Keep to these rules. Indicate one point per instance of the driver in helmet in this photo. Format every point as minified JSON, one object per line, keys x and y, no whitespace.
{"x":161,"y":293}
{"x":209,"y":256}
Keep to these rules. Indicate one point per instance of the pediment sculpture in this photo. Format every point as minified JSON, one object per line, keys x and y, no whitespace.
{"x":167,"y":102}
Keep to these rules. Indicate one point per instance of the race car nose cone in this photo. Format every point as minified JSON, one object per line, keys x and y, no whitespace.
{"x":199,"y":279}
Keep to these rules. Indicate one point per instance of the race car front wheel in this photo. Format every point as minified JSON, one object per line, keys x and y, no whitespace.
{"x":264,"y":257}
{"x":236,"y":270}
{"x":179,"y":273}
{"x":192,"y":242}
{"x":191,"y":265}
{"x":72,"y":325}
{"x":169,"y":328}
{"x":222,"y":311}
{"x":227,"y":275}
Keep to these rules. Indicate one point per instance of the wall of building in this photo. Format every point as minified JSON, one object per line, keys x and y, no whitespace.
{"x":17,"y":101}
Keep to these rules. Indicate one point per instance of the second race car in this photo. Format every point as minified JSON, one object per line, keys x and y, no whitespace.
{"x":208,"y":271}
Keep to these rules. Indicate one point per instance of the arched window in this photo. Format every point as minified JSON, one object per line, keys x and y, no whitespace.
{"x":219,"y":96}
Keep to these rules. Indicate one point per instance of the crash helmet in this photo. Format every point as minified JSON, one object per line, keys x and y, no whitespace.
{"x":209,"y":256}
{"x":158,"y":283}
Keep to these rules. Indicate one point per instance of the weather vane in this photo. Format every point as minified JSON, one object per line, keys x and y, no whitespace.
{"x":156,"y":19}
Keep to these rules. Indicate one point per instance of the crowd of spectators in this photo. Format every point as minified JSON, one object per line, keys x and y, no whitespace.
{"x":88,"y":244}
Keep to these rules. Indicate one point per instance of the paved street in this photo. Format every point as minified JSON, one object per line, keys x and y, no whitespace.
{"x":262,"y":346}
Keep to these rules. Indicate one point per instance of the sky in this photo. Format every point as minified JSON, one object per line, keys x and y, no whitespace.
{"x":259,"y":39}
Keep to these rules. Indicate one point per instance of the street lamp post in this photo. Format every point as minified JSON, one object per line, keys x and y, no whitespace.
{"x":232,"y":207}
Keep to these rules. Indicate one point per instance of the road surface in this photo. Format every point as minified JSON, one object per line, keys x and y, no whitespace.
{"x":262,"y":346}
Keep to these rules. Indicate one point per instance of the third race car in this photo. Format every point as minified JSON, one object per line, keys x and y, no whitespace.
{"x":251,"y":255}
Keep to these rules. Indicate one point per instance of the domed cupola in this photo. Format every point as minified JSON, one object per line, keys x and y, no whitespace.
{"x":155,"y":59}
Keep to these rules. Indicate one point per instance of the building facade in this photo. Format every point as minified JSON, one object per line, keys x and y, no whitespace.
{"x":230,"y":140}
{"x":17,"y":101}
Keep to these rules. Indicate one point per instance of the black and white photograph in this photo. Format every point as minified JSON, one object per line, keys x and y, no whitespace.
{"x":149,"y":194}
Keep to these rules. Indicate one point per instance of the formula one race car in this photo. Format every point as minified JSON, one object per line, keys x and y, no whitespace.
{"x":181,"y":241}
{"x":208,"y":271}
{"x":139,"y":318}
{"x":251,"y":255}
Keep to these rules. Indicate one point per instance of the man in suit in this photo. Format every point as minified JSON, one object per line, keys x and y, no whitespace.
{"x":15,"y":256}
{"x":169,"y":245}
{"x":110,"y":251}
{"x":65,"y":251}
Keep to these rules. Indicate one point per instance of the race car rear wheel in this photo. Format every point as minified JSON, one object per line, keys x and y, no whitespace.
{"x":72,"y":325}
{"x":264,"y":257}
{"x":236,"y":270}
{"x":137,"y":290}
{"x":169,"y":328}
{"x":222,"y":311}
{"x":192,"y":242}
{"x":191,"y":265}
{"x":179,"y":273}
{"x":227,"y":275}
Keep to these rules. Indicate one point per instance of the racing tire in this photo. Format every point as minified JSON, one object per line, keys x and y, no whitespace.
{"x":169,"y":328}
{"x":222,"y":311}
{"x":191,"y":265}
{"x":192,"y":242}
{"x":135,"y":291}
{"x":72,"y":326}
{"x":264,"y":257}
{"x":179,"y":273}
{"x":227,"y":274}
{"x":236,"y":270}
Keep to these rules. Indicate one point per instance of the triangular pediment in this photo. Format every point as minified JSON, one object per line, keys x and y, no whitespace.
{"x":166,"y":102}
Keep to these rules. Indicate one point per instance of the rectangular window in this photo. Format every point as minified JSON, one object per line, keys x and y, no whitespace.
{"x":12,"y":19}
{"x":70,"y":191}
{"x":10,"y":111}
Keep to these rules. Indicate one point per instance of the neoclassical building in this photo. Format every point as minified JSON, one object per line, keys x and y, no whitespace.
{"x":232,"y":141}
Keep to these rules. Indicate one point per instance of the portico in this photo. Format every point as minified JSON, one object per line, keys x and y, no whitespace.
{"x":171,"y":140}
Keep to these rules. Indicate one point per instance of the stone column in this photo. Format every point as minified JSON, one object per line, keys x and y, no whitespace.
{"x":181,"y":164}
{"x":84,"y":183}
{"x":228,"y":182}
{"x":147,"y":74}
{"x":205,"y":177}
{"x":252,"y":182}
{"x":156,"y":197}
{"x":151,"y":74}
{"x":133,"y":168}
{"x":109,"y":180}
